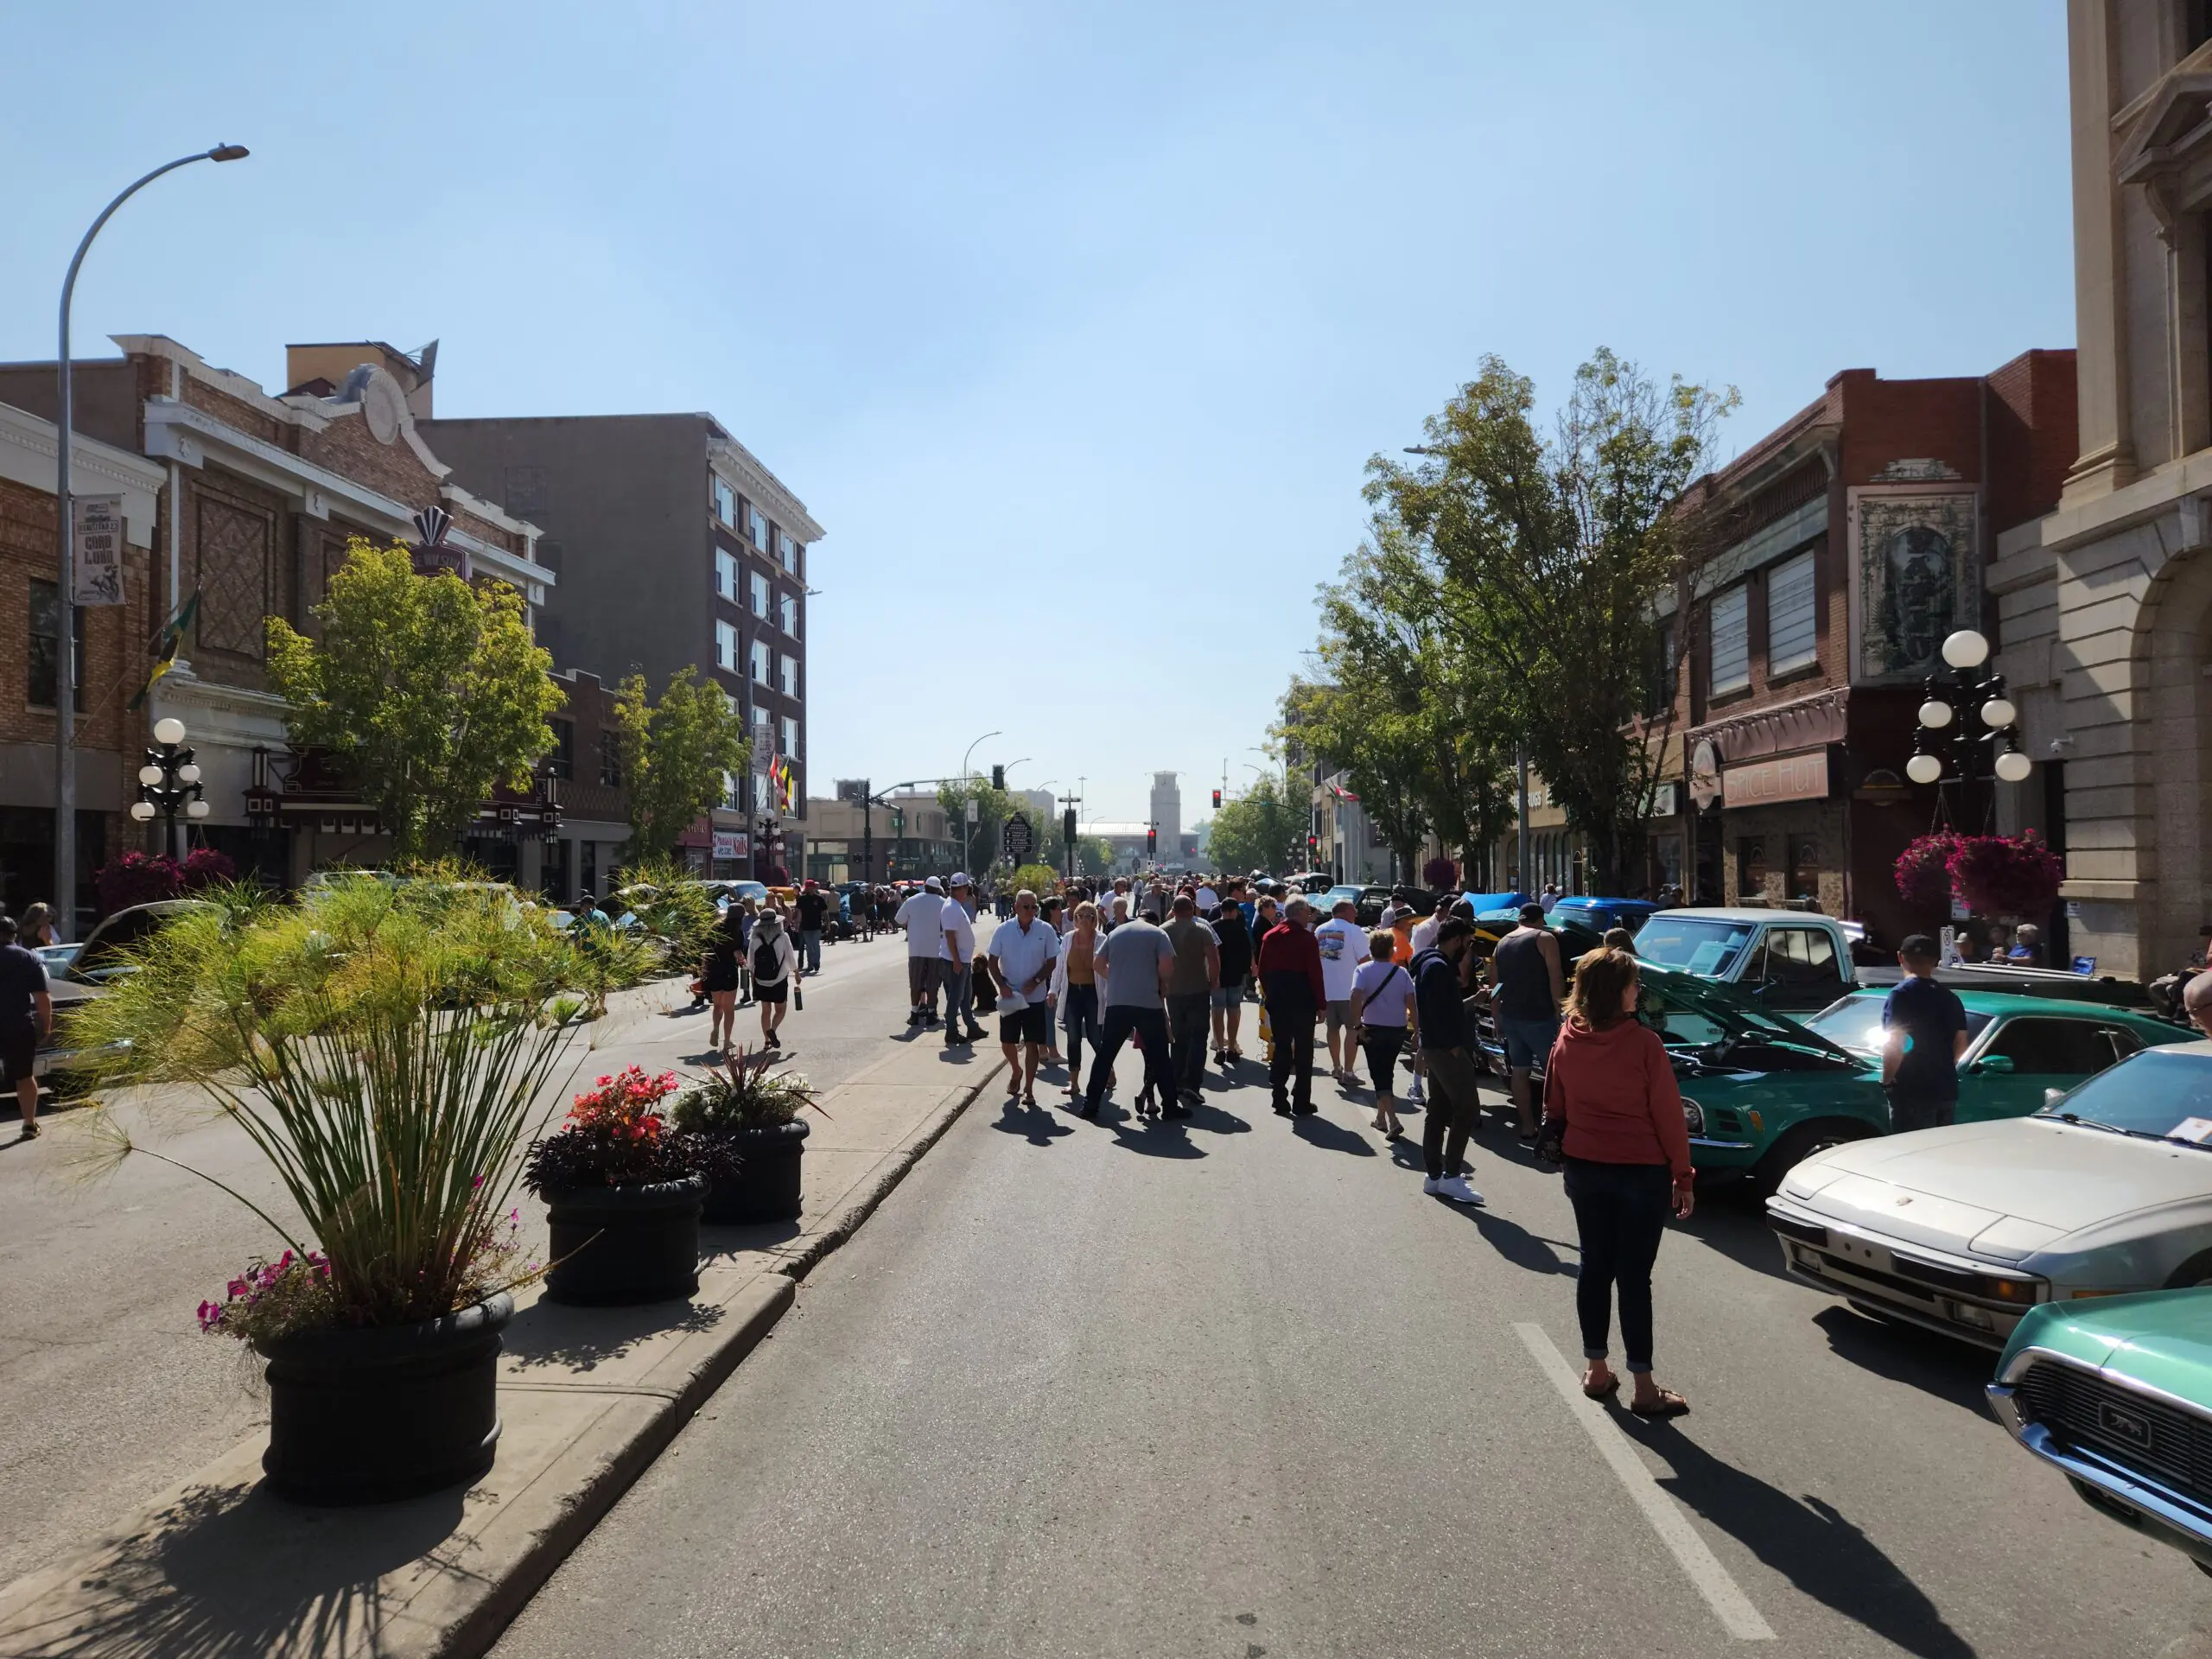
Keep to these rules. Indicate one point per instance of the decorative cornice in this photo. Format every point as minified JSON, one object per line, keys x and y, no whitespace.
{"x":30,"y":453}
{"x":229,"y":382}
{"x":743,"y":471}
{"x":1779,"y":728}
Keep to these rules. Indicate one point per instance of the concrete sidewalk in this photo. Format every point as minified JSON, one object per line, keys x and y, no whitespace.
{"x":588,"y":1398}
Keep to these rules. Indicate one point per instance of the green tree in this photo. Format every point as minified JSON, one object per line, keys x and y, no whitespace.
{"x":978,"y":842}
{"x":1256,"y":830}
{"x":428,"y":690}
{"x":1551,"y":553}
{"x":677,"y":756}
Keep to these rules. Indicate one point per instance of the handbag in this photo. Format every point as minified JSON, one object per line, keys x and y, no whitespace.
{"x":1550,"y":1150}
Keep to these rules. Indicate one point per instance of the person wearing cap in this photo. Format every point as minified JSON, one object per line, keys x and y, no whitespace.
{"x":1133,"y":964}
{"x":813,"y":912}
{"x":1342,"y":944}
{"x":1926,"y":1025}
{"x":1190,"y":988}
{"x":1527,"y":982}
{"x":26,"y":1017}
{"x":1292,"y":987}
{"x":1024,"y":950}
{"x":922,"y":917}
{"x":956,"y":948}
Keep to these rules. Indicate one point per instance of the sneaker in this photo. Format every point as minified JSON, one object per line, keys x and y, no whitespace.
{"x":1434,"y":1186}
{"x":1282,"y":1108}
{"x":1177,"y":1109}
{"x":1413,"y":1093}
{"x":1455,"y":1187}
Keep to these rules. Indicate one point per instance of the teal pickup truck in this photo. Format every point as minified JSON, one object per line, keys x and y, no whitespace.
{"x":2116,"y":1394}
{"x":1763,"y":1091}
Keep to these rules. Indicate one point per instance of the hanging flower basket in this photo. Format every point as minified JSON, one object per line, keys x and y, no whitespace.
{"x":1439,"y":875}
{"x":2006,"y":875}
{"x":1924,"y":873}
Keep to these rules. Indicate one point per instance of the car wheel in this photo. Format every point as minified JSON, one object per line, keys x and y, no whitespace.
{"x":1793,"y":1148}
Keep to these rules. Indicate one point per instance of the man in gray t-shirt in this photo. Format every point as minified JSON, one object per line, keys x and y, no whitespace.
{"x":1133,"y":964}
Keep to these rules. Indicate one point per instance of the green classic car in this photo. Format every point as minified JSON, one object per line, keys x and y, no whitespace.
{"x":2117,"y":1395}
{"x":1763,"y":1091}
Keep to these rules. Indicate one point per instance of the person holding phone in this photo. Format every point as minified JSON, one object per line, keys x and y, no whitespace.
{"x":1627,"y":1154}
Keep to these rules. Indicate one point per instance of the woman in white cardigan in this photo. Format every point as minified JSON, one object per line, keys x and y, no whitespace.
{"x":772,"y":958}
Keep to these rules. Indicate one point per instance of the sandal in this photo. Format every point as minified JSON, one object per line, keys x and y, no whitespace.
{"x":1029,"y":1100}
{"x":30,"y":1132}
{"x":1611,"y":1387}
{"x":1670,"y":1404}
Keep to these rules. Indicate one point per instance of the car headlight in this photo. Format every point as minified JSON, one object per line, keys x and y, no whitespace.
{"x":1693,"y":1115}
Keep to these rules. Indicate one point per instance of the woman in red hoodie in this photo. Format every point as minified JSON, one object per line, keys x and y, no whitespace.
{"x":1628,"y":1163}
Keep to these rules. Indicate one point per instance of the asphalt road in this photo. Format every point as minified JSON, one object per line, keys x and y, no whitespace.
{"x":109,"y":1394}
{"x":1238,"y":1389}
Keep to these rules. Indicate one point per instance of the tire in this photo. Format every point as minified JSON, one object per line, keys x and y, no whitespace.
{"x":1798,"y":1145}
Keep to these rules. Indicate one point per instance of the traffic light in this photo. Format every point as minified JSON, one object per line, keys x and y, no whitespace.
{"x":998,"y":778}
{"x":898,"y":821}
{"x":1067,"y":826}
{"x":1216,"y":800}
{"x":1152,"y":843}
{"x":1313,"y":845}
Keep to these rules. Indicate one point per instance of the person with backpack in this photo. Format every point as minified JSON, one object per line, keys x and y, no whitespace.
{"x":1384,"y":1012}
{"x":718,"y":977}
{"x":773,"y":964}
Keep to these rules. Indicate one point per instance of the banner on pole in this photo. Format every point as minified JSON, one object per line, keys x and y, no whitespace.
{"x":96,"y":534}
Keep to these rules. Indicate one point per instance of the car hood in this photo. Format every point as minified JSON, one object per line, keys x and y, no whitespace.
{"x":2163,"y":1337}
{"x":2010,"y":1187}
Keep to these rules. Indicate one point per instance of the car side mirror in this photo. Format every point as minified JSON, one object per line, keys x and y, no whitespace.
{"x":2051,"y":1098}
{"x":1996,"y":1065}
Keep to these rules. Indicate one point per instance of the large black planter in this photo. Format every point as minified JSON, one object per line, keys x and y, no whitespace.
{"x":766,"y":1185}
{"x":367,"y":1415}
{"x":625,"y":1244}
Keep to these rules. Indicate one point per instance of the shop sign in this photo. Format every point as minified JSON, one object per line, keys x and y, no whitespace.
{"x":731,"y":843}
{"x":1783,"y":777}
{"x":96,"y":550}
{"x":1705,"y":774}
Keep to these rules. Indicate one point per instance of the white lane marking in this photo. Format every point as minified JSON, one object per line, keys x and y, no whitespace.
{"x":1721,"y":1592}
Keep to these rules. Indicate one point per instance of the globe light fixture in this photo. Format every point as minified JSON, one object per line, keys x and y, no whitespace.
{"x":2013,"y":766}
{"x":143,"y":812}
{"x":1998,"y":712}
{"x":1924,"y":768}
{"x":171,"y":730}
{"x":149,"y":775}
{"x":1935,"y":713}
{"x":195,"y":809}
{"x":168,"y":780}
{"x":1965,"y":649}
{"x":187,"y":773}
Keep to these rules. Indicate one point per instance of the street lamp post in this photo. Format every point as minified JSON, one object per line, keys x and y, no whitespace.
{"x":65,"y":678}
{"x":169,"y":782}
{"x":1973,"y":709}
{"x":971,"y":749}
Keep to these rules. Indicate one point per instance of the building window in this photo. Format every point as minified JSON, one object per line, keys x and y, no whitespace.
{"x":726,"y":646}
{"x":791,"y":615}
{"x":561,"y":762}
{"x":760,"y":527}
{"x":1803,"y":877}
{"x":1792,"y":639}
{"x":725,"y":504}
{"x":789,"y":664}
{"x":760,"y":592}
{"x":791,"y":738}
{"x":1732,"y":640}
{"x":759,"y":662}
{"x":788,"y":550}
{"x":725,"y":574}
{"x":732,"y":800}
{"x":45,"y":645}
{"x":610,"y":758}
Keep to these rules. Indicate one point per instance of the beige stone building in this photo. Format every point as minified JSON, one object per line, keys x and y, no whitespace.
{"x":2104,"y":607}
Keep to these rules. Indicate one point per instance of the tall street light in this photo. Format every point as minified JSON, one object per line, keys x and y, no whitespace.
{"x":971,"y":750}
{"x":64,"y":688}
{"x":1973,"y":708}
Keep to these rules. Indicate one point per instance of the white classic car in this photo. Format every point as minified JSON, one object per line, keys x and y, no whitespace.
{"x":2107,"y":1190}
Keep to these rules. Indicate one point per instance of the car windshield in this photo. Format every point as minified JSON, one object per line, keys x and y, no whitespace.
{"x":2155,"y":1093}
{"x":1855,"y":1023}
{"x":1689,"y":1013}
{"x":1695,"y":946}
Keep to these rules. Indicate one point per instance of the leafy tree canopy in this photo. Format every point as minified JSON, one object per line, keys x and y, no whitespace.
{"x":677,"y":755}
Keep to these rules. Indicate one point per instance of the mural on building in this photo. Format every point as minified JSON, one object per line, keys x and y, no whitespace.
{"x":1914,"y":558}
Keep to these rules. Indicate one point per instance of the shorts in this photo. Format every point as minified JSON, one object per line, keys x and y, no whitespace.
{"x":1032,"y":1024}
{"x":1528,"y":1042}
{"x":1382,"y":1044}
{"x":921,"y":977}
{"x":778,"y":992}
{"x":1339,"y":1015}
{"x":1228,"y":996}
{"x":18,"y":1052}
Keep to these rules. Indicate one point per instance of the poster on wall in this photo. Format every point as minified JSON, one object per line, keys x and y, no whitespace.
{"x":1913,"y":561}
{"x":96,"y":526}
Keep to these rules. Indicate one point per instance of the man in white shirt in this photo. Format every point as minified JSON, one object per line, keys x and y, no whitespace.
{"x":1209,"y":901}
{"x":1023,"y":950}
{"x":1344,"y":947}
{"x":956,"y":931}
{"x":922,"y":917}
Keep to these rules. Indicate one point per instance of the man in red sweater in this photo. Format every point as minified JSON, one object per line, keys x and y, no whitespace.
{"x":1289,"y":965}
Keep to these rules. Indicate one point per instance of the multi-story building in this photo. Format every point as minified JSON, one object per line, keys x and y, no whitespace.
{"x":908,"y":836}
{"x":1845,"y":546}
{"x":2105,"y":605}
{"x":110,"y":641}
{"x":675,"y":548}
{"x":259,"y":495}
{"x":1167,"y":815}
{"x":586,"y":767}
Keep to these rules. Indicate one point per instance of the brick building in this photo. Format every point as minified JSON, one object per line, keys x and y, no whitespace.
{"x":258,"y":496}
{"x":110,"y":656}
{"x":1849,"y":542}
{"x":586,"y":767}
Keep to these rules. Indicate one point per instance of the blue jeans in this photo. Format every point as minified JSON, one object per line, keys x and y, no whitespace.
{"x":959,"y":995}
{"x":1079,"y":1014}
{"x":811,"y":944}
{"x":1620,"y":1214}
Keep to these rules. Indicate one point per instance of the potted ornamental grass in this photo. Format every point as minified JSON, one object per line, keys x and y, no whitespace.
{"x":383,"y":1045}
{"x":753,"y":1112}
{"x":623,"y":1192}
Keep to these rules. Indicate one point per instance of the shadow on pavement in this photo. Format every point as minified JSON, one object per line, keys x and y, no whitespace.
{"x":1155,"y":1138}
{"x":1517,"y":1245}
{"x":1728,"y":1220}
{"x":1956,"y":1371}
{"x":1217,"y":1120}
{"x":1033,"y":1123}
{"x":583,"y":1338}
{"x":1808,"y":1541}
{"x":1316,"y":1130}
{"x":176,"y":1591}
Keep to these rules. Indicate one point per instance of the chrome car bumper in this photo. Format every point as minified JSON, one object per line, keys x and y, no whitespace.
{"x":1920,"y":1285}
{"x":1713,"y":1145}
{"x":2127,"y":1495}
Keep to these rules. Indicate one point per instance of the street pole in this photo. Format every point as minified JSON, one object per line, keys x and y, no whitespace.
{"x":867,"y":832}
{"x":971,"y":749}
{"x":1521,"y":763}
{"x":65,"y":676}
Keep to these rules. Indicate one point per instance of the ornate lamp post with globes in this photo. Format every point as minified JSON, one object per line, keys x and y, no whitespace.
{"x":170,"y":782}
{"x":1969,"y":714}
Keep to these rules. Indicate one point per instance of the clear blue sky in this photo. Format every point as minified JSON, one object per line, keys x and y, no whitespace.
{"x":1073,"y":325}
